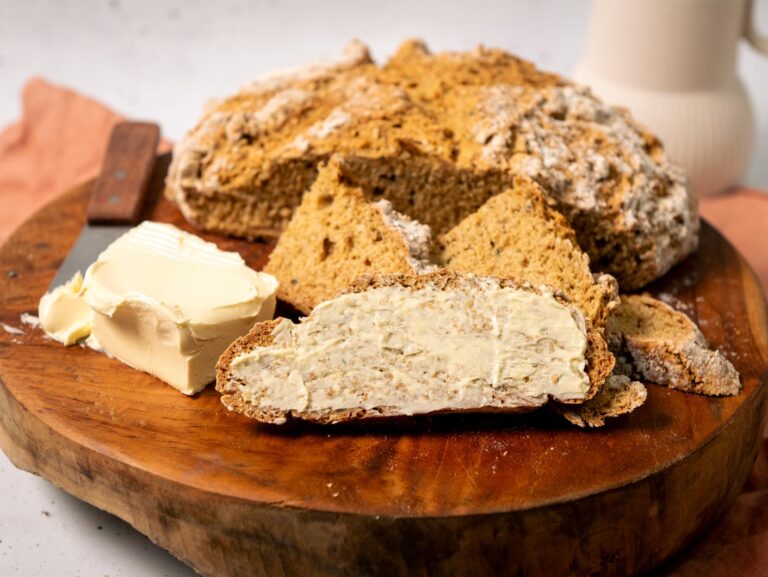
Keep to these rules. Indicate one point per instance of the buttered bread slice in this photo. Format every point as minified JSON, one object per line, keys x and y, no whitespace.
{"x":415,"y":344}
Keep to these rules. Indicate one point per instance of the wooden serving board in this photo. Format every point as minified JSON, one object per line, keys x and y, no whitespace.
{"x":454,"y":495}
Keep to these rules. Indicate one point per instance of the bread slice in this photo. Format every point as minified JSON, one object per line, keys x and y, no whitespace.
{"x":336,"y":235}
{"x":656,"y":343}
{"x":442,"y":133}
{"x":415,"y":344}
{"x":517,"y":234}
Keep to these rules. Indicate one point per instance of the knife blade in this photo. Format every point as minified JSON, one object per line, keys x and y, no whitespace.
{"x":117,"y":196}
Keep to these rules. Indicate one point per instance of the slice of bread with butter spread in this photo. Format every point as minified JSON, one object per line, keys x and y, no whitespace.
{"x":416,"y":344}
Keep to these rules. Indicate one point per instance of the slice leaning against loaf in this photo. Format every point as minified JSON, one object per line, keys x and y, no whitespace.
{"x":336,"y":235}
{"x":517,"y":234}
{"x":659,"y":344}
{"x":416,"y":344}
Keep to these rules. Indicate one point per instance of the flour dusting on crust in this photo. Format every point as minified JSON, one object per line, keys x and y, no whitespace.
{"x":417,"y":236}
{"x":589,"y":156}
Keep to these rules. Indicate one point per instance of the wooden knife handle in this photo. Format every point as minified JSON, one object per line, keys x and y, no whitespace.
{"x":119,"y":192}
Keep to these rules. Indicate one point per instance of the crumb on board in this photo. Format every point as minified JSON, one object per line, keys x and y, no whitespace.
{"x":11,"y":329}
{"x":30,"y":320}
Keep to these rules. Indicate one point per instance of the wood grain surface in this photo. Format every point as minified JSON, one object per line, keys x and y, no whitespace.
{"x":453,"y":495}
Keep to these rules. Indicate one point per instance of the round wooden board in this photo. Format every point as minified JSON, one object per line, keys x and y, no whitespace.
{"x":453,"y":495}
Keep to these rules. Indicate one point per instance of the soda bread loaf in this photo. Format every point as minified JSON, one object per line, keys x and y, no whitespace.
{"x":441,"y":134}
{"x":336,"y":235}
{"x":656,"y":343}
{"x":416,"y":344}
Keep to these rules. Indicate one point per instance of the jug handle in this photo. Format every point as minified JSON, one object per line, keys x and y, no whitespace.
{"x":753,"y":35}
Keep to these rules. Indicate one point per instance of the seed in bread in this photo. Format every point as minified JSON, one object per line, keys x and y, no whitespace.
{"x":415,"y":344}
{"x":656,"y":343}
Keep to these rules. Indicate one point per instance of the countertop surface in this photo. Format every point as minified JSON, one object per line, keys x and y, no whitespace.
{"x":45,"y":531}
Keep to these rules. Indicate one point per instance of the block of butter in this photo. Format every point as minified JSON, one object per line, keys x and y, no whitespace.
{"x":169,"y":303}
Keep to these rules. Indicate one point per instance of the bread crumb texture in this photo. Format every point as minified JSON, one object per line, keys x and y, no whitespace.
{"x":619,"y":395}
{"x":438,"y":135}
{"x":517,"y":234}
{"x":336,"y":235}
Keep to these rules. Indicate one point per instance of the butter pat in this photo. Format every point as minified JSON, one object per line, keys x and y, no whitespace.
{"x":64,"y":316}
{"x":169,"y":303}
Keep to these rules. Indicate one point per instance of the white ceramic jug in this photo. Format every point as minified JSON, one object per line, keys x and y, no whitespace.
{"x":673,"y":64}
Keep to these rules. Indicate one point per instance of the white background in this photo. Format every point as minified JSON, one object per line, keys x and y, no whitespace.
{"x":160,"y":60}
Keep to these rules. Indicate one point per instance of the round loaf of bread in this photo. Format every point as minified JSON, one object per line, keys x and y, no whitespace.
{"x":437,"y":136}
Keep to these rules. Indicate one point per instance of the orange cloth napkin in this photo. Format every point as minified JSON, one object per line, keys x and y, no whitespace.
{"x":58,"y":143}
{"x":60,"y":140}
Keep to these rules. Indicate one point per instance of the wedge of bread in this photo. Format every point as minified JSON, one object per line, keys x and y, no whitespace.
{"x":336,"y":235}
{"x":416,"y":344}
{"x":443,"y":133}
{"x":656,"y":343}
{"x":517,"y":234}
